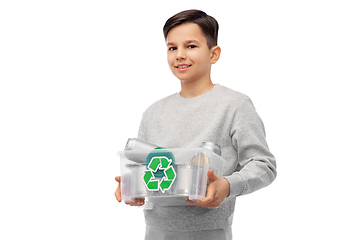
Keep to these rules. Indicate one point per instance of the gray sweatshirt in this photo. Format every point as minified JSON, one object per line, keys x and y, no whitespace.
{"x":222,"y":116}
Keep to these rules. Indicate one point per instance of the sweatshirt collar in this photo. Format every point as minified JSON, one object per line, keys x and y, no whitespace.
{"x":179,"y":98}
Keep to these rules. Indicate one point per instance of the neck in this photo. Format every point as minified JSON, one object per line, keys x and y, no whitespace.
{"x":195,"y":88}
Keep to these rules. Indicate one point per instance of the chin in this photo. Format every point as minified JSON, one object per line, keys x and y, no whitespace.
{"x":183,"y":78}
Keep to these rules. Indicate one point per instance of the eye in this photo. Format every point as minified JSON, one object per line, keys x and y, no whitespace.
{"x":191,"y":46}
{"x":172,"y":48}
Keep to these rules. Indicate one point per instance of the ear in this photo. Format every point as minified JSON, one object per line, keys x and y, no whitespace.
{"x":215,"y":54}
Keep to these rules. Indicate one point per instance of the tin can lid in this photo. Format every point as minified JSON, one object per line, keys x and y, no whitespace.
{"x":129,"y":144}
{"x":137,"y":144}
{"x":212,"y":146}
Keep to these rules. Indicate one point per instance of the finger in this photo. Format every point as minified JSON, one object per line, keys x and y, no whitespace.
{"x":118,"y":178}
{"x":209,"y":198}
{"x":136,"y":202}
{"x":205,"y":205}
{"x":195,"y":202}
{"x":131,"y":203}
{"x":191,"y":202}
{"x":118,"y":194}
{"x":214,"y":204}
{"x":212,"y":177}
{"x":118,"y":189}
{"x":205,"y":201}
{"x":139,"y":200}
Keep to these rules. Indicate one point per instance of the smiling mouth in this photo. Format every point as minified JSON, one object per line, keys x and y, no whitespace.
{"x":183,"y":66}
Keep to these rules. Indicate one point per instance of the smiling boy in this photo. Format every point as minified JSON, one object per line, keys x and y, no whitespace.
{"x":190,"y":58}
{"x":201,"y":112}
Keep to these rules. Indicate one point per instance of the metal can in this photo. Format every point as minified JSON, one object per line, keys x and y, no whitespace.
{"x":137,"y":144}
{"x":190,"y":180}
{"x":212,"y":146}
{"x":184,"y":179}
{"x":138,"y":188}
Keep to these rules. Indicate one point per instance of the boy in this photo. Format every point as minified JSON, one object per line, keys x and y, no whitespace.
{"x":203,"y":112}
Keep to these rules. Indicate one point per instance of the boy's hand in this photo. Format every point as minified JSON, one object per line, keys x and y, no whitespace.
{"x":118,"y":190}
{"x":218,"y":190}
{"x":137,"y":202}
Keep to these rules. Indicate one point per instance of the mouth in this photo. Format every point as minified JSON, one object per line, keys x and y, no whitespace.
{"x":183,"y":66}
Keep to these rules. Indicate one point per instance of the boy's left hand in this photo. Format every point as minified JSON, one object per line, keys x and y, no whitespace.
{"x":218,"y":190}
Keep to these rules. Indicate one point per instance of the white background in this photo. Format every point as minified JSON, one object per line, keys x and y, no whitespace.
{"x":76,"y":77}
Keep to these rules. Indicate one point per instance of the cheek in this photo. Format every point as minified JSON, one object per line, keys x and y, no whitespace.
{"x":197,"y":57}
{"x":170,"y":59}
{"x":192,"y":56}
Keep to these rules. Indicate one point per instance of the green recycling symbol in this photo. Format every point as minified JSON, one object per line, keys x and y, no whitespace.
{"x":159,"y":163}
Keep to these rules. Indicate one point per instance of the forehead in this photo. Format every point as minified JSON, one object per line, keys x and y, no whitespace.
{"x":184,"y":33}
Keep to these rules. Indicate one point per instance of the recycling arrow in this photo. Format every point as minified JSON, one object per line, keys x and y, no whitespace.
{"x":156,"y":164}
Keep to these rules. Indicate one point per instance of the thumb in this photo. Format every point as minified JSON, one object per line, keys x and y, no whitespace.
{"x":118,"y":178}
{"x":211,"y":175}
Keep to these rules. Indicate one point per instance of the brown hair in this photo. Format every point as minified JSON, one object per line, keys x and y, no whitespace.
{"x":208,"y":24}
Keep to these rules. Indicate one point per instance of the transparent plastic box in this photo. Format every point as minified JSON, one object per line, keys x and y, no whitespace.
{"x":167,"y":172}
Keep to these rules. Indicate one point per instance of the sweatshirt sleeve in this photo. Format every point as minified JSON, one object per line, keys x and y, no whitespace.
{"x":256,"y":166}
{"x":142,"y":128}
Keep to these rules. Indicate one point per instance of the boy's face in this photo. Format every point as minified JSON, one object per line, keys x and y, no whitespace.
{"x":188,"y":55}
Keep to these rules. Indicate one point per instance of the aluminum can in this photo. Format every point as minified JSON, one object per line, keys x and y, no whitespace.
{"x":137,"y":144}
{"x":212,"y":146}
{"x":189,"y":180}
{"x":138,"y":188}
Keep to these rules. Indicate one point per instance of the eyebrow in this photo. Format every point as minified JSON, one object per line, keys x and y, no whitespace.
{"x":187,"y":42}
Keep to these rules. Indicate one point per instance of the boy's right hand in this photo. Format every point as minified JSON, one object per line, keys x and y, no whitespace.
{"x":137,"y":202}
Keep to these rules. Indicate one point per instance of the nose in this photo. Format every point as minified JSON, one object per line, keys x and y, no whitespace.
{"x":180,"y":54}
